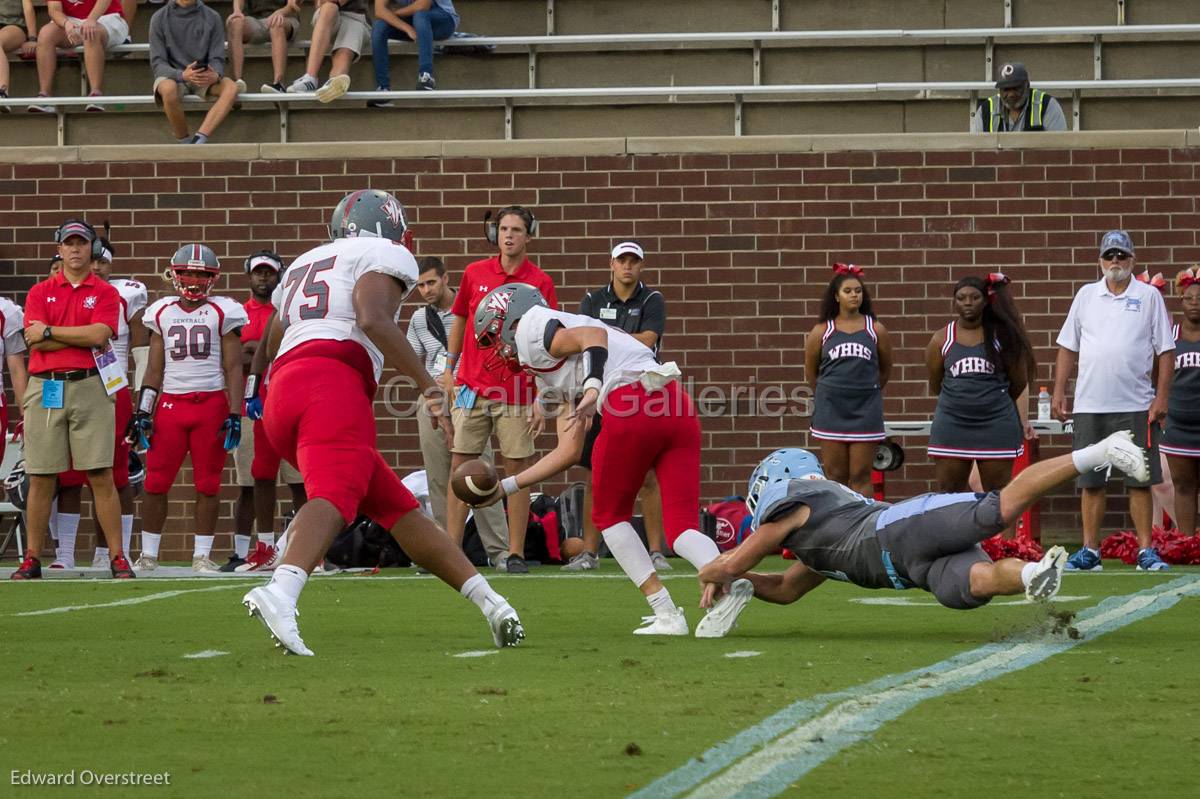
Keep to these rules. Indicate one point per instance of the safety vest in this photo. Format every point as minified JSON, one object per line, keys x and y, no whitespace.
{"x":1039,"y":101}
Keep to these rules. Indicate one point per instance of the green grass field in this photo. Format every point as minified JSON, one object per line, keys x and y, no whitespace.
{"x":583,"y":708}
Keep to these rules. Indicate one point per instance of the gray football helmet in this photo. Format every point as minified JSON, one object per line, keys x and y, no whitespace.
{"x":496,"y":320}
{"x":370,"y":212}
{"x":194,"y":270}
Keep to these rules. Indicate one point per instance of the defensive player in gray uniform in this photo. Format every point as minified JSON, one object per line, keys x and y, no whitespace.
{"x":1181,"y":439}
{"x":929,"y":542}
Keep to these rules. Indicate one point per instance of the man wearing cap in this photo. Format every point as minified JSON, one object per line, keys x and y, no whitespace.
{"x":1017,"y":107}
{"x":1119,"y":332}
{"x":69,"y":414}
{"x":626,"y":303}
{"x":256,"y":463}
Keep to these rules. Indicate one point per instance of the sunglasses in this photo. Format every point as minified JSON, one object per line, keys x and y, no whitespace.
{"x":1116,"y":255}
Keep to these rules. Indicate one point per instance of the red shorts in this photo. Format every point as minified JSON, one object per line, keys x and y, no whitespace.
{"x":123,"y":401}
{"x":319,"y":417}
{"x":187,"y":423}
{"x":646,"y":430}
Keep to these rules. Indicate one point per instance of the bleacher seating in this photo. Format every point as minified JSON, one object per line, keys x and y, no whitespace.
{"x":558,"y":69}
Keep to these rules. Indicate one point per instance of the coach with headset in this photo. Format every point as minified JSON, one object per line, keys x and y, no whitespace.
{"x":69,"y":418}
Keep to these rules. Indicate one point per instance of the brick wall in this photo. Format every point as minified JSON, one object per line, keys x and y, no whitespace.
{"x":740,"y":244}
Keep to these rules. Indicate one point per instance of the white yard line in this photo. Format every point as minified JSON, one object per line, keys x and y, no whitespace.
{"x":133,"y":600}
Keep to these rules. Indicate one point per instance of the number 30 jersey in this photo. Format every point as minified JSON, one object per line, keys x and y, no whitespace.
{"x":192,"y":341}
{"x":315,"y":295}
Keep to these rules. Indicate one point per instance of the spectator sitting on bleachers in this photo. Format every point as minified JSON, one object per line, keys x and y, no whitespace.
{"x":340,"y":28}
{"x":1017,"y":107}
{"x":13,"y":38}
{"x":258,"y":22}
{"x":98,"y":25}
{"x":421,"y":21}
{"x":187,"y":55}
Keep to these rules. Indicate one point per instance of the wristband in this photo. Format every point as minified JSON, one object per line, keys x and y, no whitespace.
{"x":451,"y":358}
{"x":593,"y":382}
{"x":509,"y":486}
{"x":251,"y":387}
{"x":147,"y":399}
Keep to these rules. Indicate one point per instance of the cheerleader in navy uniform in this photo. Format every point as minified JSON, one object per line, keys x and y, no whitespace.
{"x":1181,"y":441}
{"x":848,"y":360}
{"x":979,"y":367}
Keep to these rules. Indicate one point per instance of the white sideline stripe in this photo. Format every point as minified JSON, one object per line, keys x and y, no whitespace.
{"x":743,"y":653}
{"x":207,"y":653}
{"x":785,"y":746}
{"x":358,"y":578}
{"x":477,"y":653}
{"x":134,"y":600}
{"x":906,"y":602}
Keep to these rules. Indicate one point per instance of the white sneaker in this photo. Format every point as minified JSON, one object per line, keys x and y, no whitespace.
{"x":302,"y":85}
{"x":145,"y":563}
{"x":506,"y":627}
{"x":334,"y":88}
{"x":202,"y":564}
{"x":1047,"y":578}
{"x":241,"y":85}
{"x":670,"y":624}
{"x":584,"y":561}
{"x":723,"y":615}
{"x":279,"y":617}
{"x":659,"y":561}
{"x":63,"y":563}
{"x":100,"y":561}
{"x":1127,"y":456}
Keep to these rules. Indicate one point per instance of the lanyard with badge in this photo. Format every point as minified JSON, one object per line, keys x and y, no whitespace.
{"x":53,"y":394}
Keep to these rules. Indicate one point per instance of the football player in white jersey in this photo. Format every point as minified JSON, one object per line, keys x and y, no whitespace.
{"x":132,"y":338}
{"x":649,"y":423}
{"x":338,"y":308}
{"x":189,"y":398}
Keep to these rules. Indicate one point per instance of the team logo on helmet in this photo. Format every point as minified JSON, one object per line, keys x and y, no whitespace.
{"x":498,"y":302}
{"x":392,"y":210}
{"x":1006,"y":71}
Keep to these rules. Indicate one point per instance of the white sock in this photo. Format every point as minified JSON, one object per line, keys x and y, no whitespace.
{"x":289,"y":580}
{"x":102,"y":552}
{"x":266,"y":539}
{"x":150,"y":542}
{"x":696,"y":548}
{"x":68,"y":529}
{"x":241,"y":545}
{"x":203,"y":546}
{"x":126,"y":532}
{"x":478,"y":590}
{"x":631,"y":554}
{"x":280,"y":543}
{"x":312,"y":78}
{"x":1027,"y":573}
{"x":661,"y":603}
{"x":1090,"y":458}
{"x":54,"y":520}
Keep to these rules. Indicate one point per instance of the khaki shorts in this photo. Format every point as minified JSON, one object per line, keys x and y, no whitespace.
{"x":350,"y":32}
{"x":473,"y":428}
{"x":255,"y":30}
{"x":243,"y":459}
{"x":185,"y":89}
{"x":82,"y":433}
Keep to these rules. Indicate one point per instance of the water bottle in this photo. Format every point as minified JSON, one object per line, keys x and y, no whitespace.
{"x":1043,"y":405}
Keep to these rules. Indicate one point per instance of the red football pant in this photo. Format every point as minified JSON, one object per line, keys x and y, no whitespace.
{"x":642,"y":431}
{"x":123,"y":400}
{"x":187,"y":423}
{"x":319,"y":417}
{"x":265,"y":465}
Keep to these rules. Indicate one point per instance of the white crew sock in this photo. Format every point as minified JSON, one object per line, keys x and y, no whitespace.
{"x":203,"y":546}
{"x":696,"y":548}
{"x":53,"y":523}
{"x":241,"y":545}
{"x":101,"y":552}
{"x":150,"y":542}
{"x":1027,"y":573}
{"x":289,"y":581}
{"x":478,"y":590}
{"x":266,"y":539}
{"x":1091,"y":457}
{"x":631,"y":554}
{"x":68,"y":529}
{"x":661,"y":603}
{"x":126,"y":533}
{"x":280,"y":543}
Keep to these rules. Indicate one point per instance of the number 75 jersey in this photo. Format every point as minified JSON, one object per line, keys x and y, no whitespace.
{"x":315,"y":295}
{"x":192,"y":341}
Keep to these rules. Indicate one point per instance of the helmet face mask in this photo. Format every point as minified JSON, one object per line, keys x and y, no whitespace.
{"x":496,"y":319}
{"x":194,"y":271}
{"x":789,"y":463}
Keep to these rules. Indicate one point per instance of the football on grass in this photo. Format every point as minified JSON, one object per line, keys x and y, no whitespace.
{"x":475,"y":480}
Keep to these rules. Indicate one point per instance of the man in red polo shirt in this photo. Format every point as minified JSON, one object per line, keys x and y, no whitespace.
{"x":487,"y":401}
{"x":68,"y":410}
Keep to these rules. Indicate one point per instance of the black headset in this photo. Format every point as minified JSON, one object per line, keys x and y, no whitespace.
{"x":97,"y":245}
{"x":491,"y":230}
{"x":274,"y":256}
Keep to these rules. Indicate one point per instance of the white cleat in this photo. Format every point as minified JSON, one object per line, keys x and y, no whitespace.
{"x":723,"y":615}
{"x":202,"y":564}
{"x":1127,"y":456}
{"x":1047,"y":578}
{"x":145,"y":563}
{"x":506,"y":627}
{"x":669,"y":624}
{"x":279,"y":617}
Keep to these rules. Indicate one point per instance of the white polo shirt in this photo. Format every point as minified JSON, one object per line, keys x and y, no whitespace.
{"x":1117,"y":337}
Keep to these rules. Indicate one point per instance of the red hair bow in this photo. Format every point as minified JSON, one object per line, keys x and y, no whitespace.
{"x":1157,"y":281}
{"x":1188,"y":278}
{"x":848,"y":269}
{"x":993,"y":280}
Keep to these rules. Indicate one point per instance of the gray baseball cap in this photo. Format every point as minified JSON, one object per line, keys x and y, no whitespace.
{"x":1116,"y":240}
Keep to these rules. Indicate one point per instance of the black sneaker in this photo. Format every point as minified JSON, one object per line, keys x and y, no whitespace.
{"x":232,"y":564}
{"x":385,"y":103}
{"x":426,"y":83}
{"x":273,"y":88}
{"x":31,"y":569}
{"x":516,"y":565}
{"x":121,"y":570}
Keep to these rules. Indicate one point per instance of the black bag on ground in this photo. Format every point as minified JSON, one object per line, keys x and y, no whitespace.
{"x":365,"y":544}
{"x":473,"y":545}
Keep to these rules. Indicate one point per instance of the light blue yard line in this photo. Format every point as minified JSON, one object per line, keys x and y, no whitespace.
{"x":767,"y":757}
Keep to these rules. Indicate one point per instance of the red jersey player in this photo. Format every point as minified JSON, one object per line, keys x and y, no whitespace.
{"x":196,"y":364}
{"x":337,"y":308}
